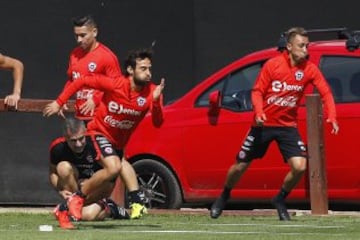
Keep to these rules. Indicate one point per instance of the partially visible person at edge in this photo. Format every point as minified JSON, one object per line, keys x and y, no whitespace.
{"x":17,"y":68}
{"x":125,"y":102}
{"x":90,"y":56}
{"x":74,"y":159}
{"x":276,"y":96}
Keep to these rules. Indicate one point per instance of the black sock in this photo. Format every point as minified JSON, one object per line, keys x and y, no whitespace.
{"x":282,"y":194}
{"x":226,"y":193}
{"x":63,"y":206}
{"x":102,"y":203}
{"x":136,"y":197}
{"x":80,"y":193}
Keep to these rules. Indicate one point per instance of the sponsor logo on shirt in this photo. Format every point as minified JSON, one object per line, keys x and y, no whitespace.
{"x":84,"y":94}
{"x":92,"y":66}
{"x":123,"y":124}
{"x":288,"y":101}
{"x":75,"y":75}
{"x":89,"y":158}
{"x":278,"y":86}
{"x":114,"y":107}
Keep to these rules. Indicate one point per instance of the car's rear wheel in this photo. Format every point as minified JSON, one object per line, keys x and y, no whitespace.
{"x":159,"y":184}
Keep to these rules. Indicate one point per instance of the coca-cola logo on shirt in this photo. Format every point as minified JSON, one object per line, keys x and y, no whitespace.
{"x":287,"y":101}
{"x":278,"y":86}
{"x":122,"y":124}
{"x":84,"y":94}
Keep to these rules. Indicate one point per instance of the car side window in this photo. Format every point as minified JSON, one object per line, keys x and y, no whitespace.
{"x":203,"y":100}
{"x":343,"y":76}
{"x":237,"y":88}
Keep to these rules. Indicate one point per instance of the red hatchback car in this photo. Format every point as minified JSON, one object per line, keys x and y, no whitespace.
{"x":186,"y":160}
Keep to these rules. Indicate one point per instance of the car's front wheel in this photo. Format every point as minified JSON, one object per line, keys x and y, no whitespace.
{"x":159,"y":184}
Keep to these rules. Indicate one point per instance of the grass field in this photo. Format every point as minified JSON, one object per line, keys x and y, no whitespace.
{"x":176,"y":226}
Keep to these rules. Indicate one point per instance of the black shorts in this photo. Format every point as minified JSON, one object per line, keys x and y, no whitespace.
{"x":258,"y":140}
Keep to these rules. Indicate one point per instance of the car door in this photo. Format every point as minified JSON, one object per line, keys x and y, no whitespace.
{"x":343,"y":75}
{"x":212,"y":142}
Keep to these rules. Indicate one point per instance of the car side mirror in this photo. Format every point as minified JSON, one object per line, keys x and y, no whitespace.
{"x":214,"y":102}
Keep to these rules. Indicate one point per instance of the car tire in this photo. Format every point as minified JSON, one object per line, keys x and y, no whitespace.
{"x":159,"y":184}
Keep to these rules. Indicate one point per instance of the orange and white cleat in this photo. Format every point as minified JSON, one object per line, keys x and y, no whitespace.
{"x":75,"y":204}
{"x":63,"y":218}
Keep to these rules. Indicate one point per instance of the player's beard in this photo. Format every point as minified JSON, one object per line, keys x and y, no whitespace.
{"x":140,"y":82}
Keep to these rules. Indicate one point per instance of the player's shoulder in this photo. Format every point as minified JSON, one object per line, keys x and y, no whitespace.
{"x":76,"y":51}
{"x":278,"y":59}
{"x":58,"y":144}
{"x":105,"y":49}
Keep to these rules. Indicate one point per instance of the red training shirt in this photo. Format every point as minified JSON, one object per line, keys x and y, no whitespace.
{"x":280,"y":87}
{"x":101,"y":60}
{"x":121,"y":108}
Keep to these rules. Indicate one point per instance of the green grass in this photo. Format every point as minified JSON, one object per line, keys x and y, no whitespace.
{"x":184,"y":226}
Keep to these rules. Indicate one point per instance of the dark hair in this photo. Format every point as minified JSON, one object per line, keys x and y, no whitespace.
{"x":87,"y":20}
{"x":72,"y":125}
{"x":133,"y":55}
{"x":292,"y":32}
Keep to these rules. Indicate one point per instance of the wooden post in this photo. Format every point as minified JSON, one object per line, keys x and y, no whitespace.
{"x":317,"y":165}
{"x":37,"y":105}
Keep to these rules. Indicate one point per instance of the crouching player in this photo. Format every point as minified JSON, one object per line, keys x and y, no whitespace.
{"x":84,"y":164}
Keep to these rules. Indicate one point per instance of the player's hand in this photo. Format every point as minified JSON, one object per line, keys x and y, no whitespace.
{"x":158,"y":90}
{"x":51,"y":109}
{"x":65,"y":194}
{"x":12,"y":100}
{"x":335,"y":126}
{"x":88,"y":107}
{"x":260,"y":119}
{"x":61,"y":112}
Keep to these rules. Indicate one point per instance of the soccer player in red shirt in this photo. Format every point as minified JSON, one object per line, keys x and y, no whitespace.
{"x":17,"y":68}
{"x":125,"y":102}
{"x":90,"y":56}
{"x":275,"y":97}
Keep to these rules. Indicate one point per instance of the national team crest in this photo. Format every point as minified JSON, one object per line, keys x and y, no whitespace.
{"x":141,"y":101}
{"x":92,"y":66}
{"x":299,"y":75}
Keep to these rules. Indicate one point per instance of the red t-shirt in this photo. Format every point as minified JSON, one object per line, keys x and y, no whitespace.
{"x":121,"y":108}
{"x":279,"y":88}
{"x":101,"y":60}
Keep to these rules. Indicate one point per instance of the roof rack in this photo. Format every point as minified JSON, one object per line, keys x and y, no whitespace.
{"x":353,"y":42}
{"x":342,"y":33}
